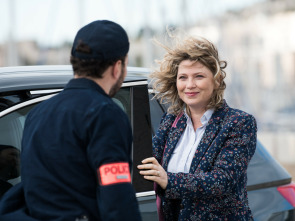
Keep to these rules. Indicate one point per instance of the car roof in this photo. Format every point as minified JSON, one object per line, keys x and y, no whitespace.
{"x":49,"y":77}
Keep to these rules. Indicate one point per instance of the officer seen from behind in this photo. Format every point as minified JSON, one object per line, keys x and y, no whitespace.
{"x":76,"y":147}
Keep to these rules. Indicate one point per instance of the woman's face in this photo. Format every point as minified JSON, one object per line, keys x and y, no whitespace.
{"x":195,"y":84}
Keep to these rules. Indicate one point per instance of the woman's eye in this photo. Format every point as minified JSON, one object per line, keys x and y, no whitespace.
{"x":181,"y":77}
{"x":199,"y":76}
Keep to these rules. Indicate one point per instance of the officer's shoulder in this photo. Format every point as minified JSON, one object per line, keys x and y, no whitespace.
{"x":114,"y":107}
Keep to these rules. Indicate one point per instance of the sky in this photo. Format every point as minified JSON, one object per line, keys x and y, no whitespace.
{"x":52,"y":22}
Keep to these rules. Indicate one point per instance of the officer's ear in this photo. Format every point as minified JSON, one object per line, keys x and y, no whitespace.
{"x":117,"y":68}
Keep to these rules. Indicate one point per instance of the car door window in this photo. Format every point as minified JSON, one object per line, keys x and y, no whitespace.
{"x":11,"y":130}
{"x":123,"y":100}
{"x":156,"y":111}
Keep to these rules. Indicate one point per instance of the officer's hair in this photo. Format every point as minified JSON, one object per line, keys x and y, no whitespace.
{"x":91,"y":67}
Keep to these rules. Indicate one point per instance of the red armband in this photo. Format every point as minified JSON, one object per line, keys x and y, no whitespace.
{"x":114,"y":173}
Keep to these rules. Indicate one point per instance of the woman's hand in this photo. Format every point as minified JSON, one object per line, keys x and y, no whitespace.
{"x":152,"y":170}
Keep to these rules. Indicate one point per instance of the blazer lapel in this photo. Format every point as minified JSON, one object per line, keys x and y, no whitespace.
{"x":212,"y":129}
{"x":172,"y":139}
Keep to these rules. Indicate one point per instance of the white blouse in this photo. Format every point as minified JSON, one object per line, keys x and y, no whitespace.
{"x":186,"y":147}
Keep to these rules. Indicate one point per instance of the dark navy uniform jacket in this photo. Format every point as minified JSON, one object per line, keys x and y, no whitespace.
{"x":66,"y":140}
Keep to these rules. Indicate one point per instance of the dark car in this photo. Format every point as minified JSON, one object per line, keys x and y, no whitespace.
{"x":270,"y":190}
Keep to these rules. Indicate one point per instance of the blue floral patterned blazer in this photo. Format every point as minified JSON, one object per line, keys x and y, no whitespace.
{"x":215,"y":187}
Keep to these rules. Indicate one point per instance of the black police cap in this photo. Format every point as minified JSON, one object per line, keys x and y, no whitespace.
{"x":103,"y":39}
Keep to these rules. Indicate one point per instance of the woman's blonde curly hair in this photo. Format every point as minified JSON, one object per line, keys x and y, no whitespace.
{"x":193,"y":49}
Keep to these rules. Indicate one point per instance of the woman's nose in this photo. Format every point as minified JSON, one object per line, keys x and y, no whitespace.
{"x":191,"y":83}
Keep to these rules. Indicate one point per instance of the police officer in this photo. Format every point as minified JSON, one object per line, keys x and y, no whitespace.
{"x":76,"y":146}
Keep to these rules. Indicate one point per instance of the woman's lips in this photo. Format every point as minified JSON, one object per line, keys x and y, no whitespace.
{"x":191,"y":94}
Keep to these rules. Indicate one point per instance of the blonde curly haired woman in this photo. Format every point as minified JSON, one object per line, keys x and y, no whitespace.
{"x":202,"y":147}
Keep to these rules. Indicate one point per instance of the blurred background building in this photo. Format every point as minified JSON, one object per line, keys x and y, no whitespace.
{"x":255,"y":37}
